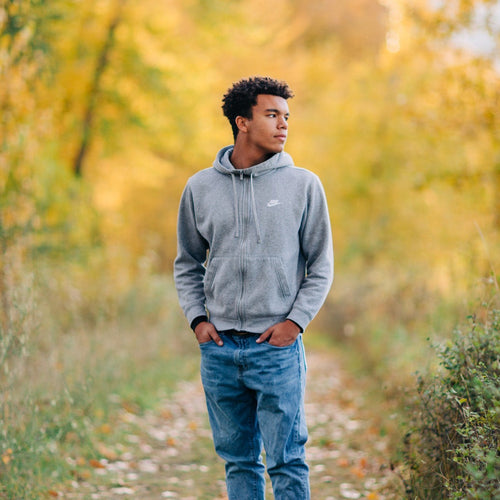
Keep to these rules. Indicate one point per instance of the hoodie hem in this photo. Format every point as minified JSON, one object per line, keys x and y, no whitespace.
{"x":259,"y":326}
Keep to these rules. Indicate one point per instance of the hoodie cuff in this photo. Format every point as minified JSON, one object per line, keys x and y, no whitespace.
{"x":299,"y":318}
{"x":196,"y":321}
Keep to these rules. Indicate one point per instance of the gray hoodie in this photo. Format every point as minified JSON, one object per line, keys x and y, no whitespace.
{"x":254,"y":246}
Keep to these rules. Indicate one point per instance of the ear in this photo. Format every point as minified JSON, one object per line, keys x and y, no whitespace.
{"x":241,"y":123}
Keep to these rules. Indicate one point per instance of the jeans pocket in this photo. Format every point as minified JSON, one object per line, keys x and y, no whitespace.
{"x":206,"y":344}
{"x":280,"y":348}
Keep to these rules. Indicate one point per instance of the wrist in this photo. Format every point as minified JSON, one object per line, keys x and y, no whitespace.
{"x":199,"y":329}
{"x":196,"y":321}
{"x":296,"y":325}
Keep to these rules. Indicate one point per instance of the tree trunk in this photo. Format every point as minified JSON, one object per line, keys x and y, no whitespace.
{"x":95,"y":87}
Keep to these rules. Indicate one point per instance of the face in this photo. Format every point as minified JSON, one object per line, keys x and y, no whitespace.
{"x":266,"y":131}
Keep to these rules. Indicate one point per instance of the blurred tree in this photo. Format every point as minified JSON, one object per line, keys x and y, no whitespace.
{"x":400,"y":122}
{"x":95,"y":86}
{"x":359,"y":26}
{"x":209,"y":45}
{"x":462,"y":40}
{"x":23,"y":54}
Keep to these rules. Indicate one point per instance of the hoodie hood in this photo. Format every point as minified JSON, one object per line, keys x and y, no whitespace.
{"x":222,"y":164}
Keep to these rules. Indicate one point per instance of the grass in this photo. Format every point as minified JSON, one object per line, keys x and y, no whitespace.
{"x":64,"y":385}
{"x":97,"y":348}
{"x":85,"y":343}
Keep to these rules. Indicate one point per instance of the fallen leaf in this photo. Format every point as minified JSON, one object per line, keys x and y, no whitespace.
{"x":358,"y":472}
{"x":83,"y":475}
{"x":148,"y":466}
{"x":130,"y":407}
{"x":71,"y":437}
{"x":166,"y":414}
{"x":347,"y":491}
{"x":96,"y":464}
{"x":105,"y":429}
{"x":122,"y":490}
{"x":7,"y":456}
{"x":107,"y":452}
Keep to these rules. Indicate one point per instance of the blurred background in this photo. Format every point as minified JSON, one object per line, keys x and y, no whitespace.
{"x":108,"y":106}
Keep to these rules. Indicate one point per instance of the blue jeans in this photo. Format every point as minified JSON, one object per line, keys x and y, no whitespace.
{"x":255,"y":397}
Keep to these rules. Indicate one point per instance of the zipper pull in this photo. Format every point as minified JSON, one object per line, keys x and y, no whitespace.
{"x":241,"y":176}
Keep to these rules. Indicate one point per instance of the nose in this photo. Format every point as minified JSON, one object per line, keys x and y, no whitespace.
{"x":282,"y":123}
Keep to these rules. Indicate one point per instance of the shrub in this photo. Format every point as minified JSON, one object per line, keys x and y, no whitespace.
{"x":452,"y":447}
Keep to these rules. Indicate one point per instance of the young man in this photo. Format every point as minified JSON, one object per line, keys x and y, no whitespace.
{"x":254,"y":265}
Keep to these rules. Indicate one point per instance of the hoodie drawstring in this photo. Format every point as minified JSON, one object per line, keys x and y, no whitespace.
{"x":254,"y":209}
{"x":235,"y":202}
{"x":222,"y":164}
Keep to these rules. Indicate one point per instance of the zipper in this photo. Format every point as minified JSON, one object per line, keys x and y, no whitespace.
{"x":243,"y":232}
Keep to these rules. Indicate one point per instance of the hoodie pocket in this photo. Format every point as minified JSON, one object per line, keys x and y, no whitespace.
{"x":221,"y":286}
{"x":266,"y":290}
{"x":210,"y":276}
{"x":252,"y":287}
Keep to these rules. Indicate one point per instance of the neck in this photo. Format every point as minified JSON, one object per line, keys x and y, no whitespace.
{"x":242,"y":157}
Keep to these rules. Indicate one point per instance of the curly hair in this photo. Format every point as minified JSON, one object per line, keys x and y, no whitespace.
{"x":240,"y":98}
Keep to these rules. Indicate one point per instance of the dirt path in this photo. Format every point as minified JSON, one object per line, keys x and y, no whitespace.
{"x":169,"y":454}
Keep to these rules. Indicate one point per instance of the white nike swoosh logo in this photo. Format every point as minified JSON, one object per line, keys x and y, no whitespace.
{"x":273,"y":203}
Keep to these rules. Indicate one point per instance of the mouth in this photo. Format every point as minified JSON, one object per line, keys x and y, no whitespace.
{"x":280,"y":137}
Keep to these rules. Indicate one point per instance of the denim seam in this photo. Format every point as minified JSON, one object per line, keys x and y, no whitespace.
{"x":298,"y":420}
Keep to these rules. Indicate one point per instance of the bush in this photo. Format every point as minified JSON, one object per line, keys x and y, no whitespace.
{"x":452,"y":447}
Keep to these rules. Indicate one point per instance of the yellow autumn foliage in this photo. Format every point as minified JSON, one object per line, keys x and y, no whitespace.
{"x":401,"y":124}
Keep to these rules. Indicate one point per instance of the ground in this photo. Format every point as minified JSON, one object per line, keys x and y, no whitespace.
{"x":168,"y":453}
